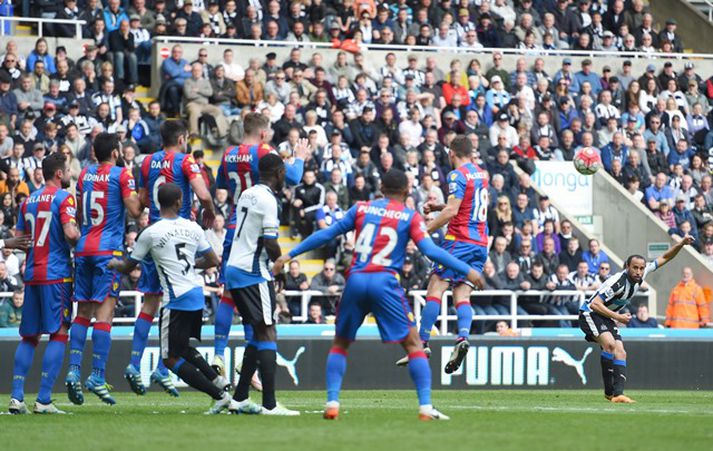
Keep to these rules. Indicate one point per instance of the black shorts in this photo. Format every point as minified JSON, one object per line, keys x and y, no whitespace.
{"x":256,"y":303}
{"x":176,"y":328}
{"x":594,"y":324}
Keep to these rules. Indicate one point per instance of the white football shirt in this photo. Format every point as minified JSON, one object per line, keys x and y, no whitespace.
{"x":173,"y":245}
{"x":256,"y":218}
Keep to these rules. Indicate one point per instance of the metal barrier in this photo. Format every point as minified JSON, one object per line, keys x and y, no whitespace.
{"x":306,"y":297}
{"x":41,"y":22}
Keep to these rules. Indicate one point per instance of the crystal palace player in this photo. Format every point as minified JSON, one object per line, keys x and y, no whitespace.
{"x":597,"y":317}
{"x":170,"y":165}
{"x":48,"y":217}
{"x":250,"y":283}
{"x":383,"y":228}
{"x":174,"y":243}
{"x":466,"y":214}
{"x":105,"y":192}
{"x":239,"y":171}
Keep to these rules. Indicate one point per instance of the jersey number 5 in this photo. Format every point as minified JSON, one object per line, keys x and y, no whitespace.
{"x":364,"y":246}
{"x":181,"y":255}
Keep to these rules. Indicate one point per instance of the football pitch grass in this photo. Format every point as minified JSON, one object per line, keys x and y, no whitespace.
{"x":377,"y":420}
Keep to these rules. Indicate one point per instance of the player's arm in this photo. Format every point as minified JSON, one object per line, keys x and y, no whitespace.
{"x":201,"y":190}
{"x":318,"y":239}
{"x":67,"y":216}
{"x":672,"y":252}
{"x":206,"y":256}
{"x":23,"y":241}
{"x":294,"y":170}
{"x":132,"y":202}
{"x":124,"y":266}
{"x":141,"y":249}
{"x":597,"y":306}
{"x":449,"y":211}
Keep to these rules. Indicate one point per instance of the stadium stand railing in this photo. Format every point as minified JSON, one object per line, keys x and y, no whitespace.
{"x":41,"y":23}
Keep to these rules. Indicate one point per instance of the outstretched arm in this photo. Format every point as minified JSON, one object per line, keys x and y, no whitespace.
{"x":124,"y":266}
{"x":671,"y":253}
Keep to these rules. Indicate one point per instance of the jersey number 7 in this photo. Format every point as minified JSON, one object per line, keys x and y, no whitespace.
{"x":46,"y":216}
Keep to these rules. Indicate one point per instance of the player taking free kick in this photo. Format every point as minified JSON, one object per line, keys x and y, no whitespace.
{"x":383,"y":229}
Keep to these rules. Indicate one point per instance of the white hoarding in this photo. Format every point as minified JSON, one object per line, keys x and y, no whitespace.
{"x":571,"y":190}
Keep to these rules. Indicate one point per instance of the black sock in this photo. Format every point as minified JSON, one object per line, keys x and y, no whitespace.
{"x":195,"y":378}
{"x":268,"y":366}
{"x":619,"y":377}
{"x":246,"y":373}
{"x":608,"y":373}
{"x":195,"y":358}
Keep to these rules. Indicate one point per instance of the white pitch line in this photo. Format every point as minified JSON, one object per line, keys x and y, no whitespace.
{"x":578,"y":409}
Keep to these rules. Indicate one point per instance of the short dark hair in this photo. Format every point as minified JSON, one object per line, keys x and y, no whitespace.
{"x":53,"y":163}
{"x":631,"y":258}
{"x":169,"y":194}
{"x":104,"y":144}
{"x":270,"y":164}
{"x":171,"y":130}
{"x":394,"y":181}
{"x":461,"y":146}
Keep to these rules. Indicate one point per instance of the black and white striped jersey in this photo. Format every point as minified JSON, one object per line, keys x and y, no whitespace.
{"x":618,"y":290}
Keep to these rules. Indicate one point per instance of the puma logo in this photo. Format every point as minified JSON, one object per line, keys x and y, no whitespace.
{"x":560,"y":355}
{"x":290,"y":365}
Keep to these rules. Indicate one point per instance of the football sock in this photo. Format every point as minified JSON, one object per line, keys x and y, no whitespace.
{"x":197,"y":360}
{"x":246,"y":373}
{"x":223,"y":320}
{"x":267,"y":362}
{"x":51,"y":364}
{"x":142,"y":326}
{"x":420,"y":373}
{"x":428,"y":317}
{"x":465,"y":318}
{"x":101,"y":344}
{"x":607,"y":361}
{"x":619,"y":377}
{"x":77,"y":339}
{"x":196,"y":379}
{"x":248,"y":332}
{"x":336,"y":367}
{"x":161,"y":368}
{"x":23,"y":360}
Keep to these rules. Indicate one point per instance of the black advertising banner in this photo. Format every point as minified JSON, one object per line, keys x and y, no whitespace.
{"x":491,"y":363}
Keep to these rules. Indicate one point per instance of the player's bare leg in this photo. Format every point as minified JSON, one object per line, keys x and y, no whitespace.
{"x":101,"y":344}
{"x":461,"y":301}
{"x":429,"y":313}
{"x":77,"y":341}
{"x":420,"y":372}
{"x":336,"y":367}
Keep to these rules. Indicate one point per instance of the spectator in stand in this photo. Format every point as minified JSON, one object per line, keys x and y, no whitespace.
{"x":309,"y":197}
{"x":657,"y":191}
{"x":642,"y":319}
{"x":330,"y":283}
{"x":11,"y":310}
{"x":197,"y":92}
{"x":174,"y":72}
{"x":594,"y":256}
{"x":687,"y":306}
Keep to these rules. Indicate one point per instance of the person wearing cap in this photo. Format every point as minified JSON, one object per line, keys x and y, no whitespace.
{"x":194,"y":22}
{"x":147,"y":17}
{"x":669,"y":34}
{"x":502,"y":128}
{"x":497,"y":97}
{"x":689,"y":74}
{"x":566,"y":73}
{"x":608,"y":43}
{"x":142,"y":39}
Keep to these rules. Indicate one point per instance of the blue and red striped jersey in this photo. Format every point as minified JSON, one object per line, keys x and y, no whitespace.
{"x":101,"y":191}
{"x":239,"y":171}
{"x":42,"y":216}
{"x":383,"y":228}
{"x":168,"y":167}
{"x":469,"y":183}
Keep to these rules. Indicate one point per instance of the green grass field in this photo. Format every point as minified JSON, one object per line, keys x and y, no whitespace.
{"x":379,"y":420}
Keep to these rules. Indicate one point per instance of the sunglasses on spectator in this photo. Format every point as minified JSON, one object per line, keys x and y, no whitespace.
{"x":203,"y":55}
{"x":279,"y":78}
{"x":9,"y":61}
{"x":329,"y":269}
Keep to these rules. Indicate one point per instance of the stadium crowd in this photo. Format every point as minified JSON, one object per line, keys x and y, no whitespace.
{"x":653,"y":130}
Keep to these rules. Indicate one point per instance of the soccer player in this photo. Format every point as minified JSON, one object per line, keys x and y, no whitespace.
{"x":250,"y":282}
{"x":170,"y":165}
{"x":174,"y":243}
{"x":383,"y":229}
{"x":239,"y":171}
{"x":598,"y":317}
{"x":48,"y":217}
{"x":105,"y":192}
{"x":466,"y":213}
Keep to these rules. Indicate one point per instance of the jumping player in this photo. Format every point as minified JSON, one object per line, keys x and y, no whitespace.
{"x":48,"y":217}
{"x":170,"y":165}
{"x":383,"y":229}
{"x":466,"y":213}
{"x":174,"y":243}
{"x":250,"y":283}
{"x":599,"y":315}
{"x":105,"y":192}
{"x":238,"y":172}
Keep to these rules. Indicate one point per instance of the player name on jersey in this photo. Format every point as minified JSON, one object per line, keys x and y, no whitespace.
{"x":178,"y":234}
{"x":476,"y":175}
{"x":162,"y":164}
{"x":40,"y":198}
{"x":384,"y":212}
{"x":238,"y":158}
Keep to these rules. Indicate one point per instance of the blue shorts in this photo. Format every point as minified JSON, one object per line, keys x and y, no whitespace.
{"x":46,"y":308}
{"x":474,"y":255}
{"x":149,"y":282}
{"x":378,"y":293}
{"x":93,"y":281}
{"x":227,"y":246}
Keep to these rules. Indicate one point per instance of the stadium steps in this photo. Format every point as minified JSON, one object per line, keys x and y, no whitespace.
{"x":23,"y":30}
{"x":310,"y":266}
